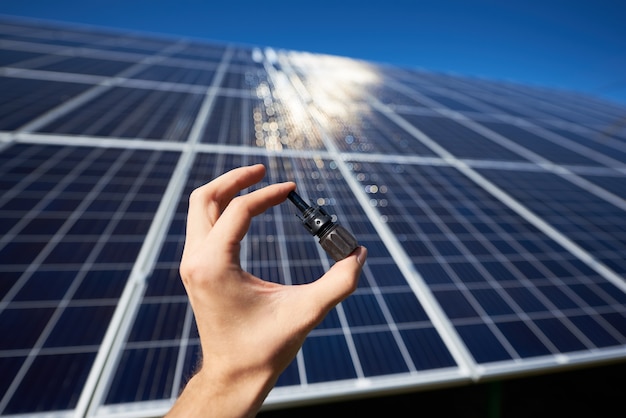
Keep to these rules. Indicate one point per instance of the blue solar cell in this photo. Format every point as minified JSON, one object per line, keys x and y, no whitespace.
{"x":165,"y":282}
{"x":594,"y":224}
{"x":614,"y":294}
{"x":386,"y":274}
{"x":119,"y":252}
{"x":42,"y":225}
{"x":8,"y":57}
{"x":52,"y":374}
{"x":455,"y":304}
{"x":446,"y":132}
{"x":144,"y":375}
{"x":617,"y":321}
{"x":191,"y":367}
{"x":290,"y":377}
{"x":84,"y":65}
{"x":591,"y":326}
{"x":379,"y":354}
{"x":524,"y":341}
{"x":90,"y":224}
{"x":9,"y":278}
{"x":492,"y":302}
{"x":427,"y":349}
{"x":159,"y":321}
{"x":525,"y":299}
{"x":20,"y":252}
{"x":166,"y":73}
{"x":331,"y":321}
{"x":545,"y":148}
{"x":102,"y":284}
{"x":25,"y":99}
{"x":363,"y":310}
{"x":70,"y":252}
{"x":46,"y":285}
{"x":434,"y":273}
{"x":404,"y":307}
{"x":22,"y":326}
{"x":561,"y":336}
{"x":305,"y":273}
{"x":482,"y":343}
{"x":467,"y":273}
{"x":557,"y":296}
{"x":588,"y":295}
{"x":330,"y":351}
{"x":80,"y":326}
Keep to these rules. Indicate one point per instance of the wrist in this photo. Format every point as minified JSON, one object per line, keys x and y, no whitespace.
{"x":216,"y":394}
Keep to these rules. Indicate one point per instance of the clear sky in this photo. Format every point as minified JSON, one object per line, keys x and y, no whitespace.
{"x":575,"y":45}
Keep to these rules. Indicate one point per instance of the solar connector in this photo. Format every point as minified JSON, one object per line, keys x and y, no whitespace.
{"x":336,"y":240}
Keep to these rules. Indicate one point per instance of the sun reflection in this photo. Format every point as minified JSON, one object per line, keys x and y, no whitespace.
{"x":335,"y":84}
{"x":305,"y":90}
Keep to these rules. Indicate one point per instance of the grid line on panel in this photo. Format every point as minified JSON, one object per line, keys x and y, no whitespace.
{"x":148,"y":256}
{"x":92,"y":93}
{"x":362,"y":331}
{"x":600,"y":140}
{"x":89,"y":162}
{"x":558,"y":150}
{"x":485,"y":130}
{"x":558,"y":146}
{"x":442,"y":260}
{"x":539,"y":331}
{"x":470,"y":285}
{"x":23,"y":99}
{"x":345,"y":329}
{"x":514,"y":243}
{"x":160,"y":294}
{"x":473,"y":174}
{"x":591,"y":223}
{"x":286,"y":268}
{"x":457,"y":350}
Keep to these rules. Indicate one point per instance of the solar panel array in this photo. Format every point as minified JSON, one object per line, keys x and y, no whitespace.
{"x":493,"y":214}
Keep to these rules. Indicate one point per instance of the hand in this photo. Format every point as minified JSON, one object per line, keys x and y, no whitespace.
{"x":250,"y":329}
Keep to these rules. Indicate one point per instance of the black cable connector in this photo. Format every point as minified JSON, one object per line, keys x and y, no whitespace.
{"x":334,"y":238}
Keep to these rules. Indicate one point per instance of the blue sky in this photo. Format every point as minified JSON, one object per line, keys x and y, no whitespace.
{"x":577,"y":45}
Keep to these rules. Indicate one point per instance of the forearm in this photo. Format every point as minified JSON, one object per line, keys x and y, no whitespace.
{"x":211,"y":396}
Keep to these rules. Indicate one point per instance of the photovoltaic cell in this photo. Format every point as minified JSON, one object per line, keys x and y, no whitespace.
{"x":371,"y":131}
{"x":9,"y":57}
{"x":597,"y":141}
{"x":499,"y":294}
{"x":176,"y":74}
{"x":132,"y":113}
{"x":446,"y":132}
{"x":24,"y":99}
{"x":594,"y":224}
{"x":547,"y":149}
{"x":84,"y":65}
{"x":495,"y":247}
{"x":55,"y":324}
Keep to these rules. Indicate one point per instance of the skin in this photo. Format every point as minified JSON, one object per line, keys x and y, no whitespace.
{"x":250,"y":329}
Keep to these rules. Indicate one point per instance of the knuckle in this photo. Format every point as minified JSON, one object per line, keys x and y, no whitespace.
{"x":191,"y":269}
{"x":239,"y":205}
{"x":197,"y":195}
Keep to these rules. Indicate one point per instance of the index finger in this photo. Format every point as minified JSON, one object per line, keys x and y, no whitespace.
{"x":237,"y":216}
{"x":207,"y":202}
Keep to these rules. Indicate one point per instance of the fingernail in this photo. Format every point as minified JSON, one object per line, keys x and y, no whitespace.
{"x":361,"y":256}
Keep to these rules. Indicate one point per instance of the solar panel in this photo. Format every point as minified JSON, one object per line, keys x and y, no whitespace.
{"x":493,"y":215}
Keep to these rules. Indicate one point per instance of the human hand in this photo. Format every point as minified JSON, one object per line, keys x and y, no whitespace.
{"x":250,"y":329}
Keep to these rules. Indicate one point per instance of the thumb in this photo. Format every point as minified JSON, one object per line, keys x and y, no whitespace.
{"x":340,"y":281}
